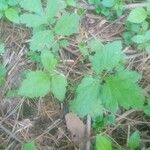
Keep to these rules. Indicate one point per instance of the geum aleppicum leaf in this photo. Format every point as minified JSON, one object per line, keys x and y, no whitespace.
{"x":87,"y":100}
{"x":53,"y":7}
{"x":107,"y":57}
{"x":48,"y":60}
{"x":41,"y":40}
{"x":137,"y":15}
{"x":58,"y":86}
{"x":32,"y":20}
{"x":103,"y":143}
{"x":67,"y":25}
{"x":122,"y":89}
{"x":12,"y":15}
{"x":36,"y":84}
{"x":34,"y":6}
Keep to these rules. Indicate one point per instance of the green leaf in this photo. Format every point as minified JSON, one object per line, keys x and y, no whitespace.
{"x":137,"y":15}
{"x":48,"y":60}
{"x":12,"y":15}
{"x":67,"y":25}
{"x":29,"y":146}
{"x":41,"y":40}
{"x":32,"y":20}
{"x":147,"y":35}
{"x":58,"y":86}
{"x":36,"y":84}
{"x":53,"y":7}
{"x":3,"y":5}
{"x":2,"y":48}
{"x":32,"y":6}
{"x":108,"y":3}
{"x":108,"y":57}
{"x":139,"y":39}
{"x":71,"y":2}
{"x":134,"y":140}
{"x":96,"y":45}
{"x":83,"y":49}
{"x":87,"y":100}
{"x":103,"y":143}
{"x":122,"y":89}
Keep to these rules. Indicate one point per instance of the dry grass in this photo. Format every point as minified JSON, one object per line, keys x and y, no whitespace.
{"x":43,"y":120}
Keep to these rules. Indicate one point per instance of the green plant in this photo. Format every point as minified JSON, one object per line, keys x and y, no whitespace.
{"x":109,"y":8}
{"x":9,"y":9}
{"x":29,"y":146}
{"x":110,"y":86}
{"x":39,"y":83}
{"x":48,"y":35}
{"x":138,"y":29}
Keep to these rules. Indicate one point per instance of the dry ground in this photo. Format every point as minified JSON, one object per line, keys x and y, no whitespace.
{"x":43,"y":120}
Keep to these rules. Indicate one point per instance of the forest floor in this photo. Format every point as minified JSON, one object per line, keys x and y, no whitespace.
{"x":44,"y":120}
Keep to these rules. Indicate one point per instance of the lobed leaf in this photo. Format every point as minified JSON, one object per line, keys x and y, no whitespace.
{"x":48,"y":60}
{"x":36,"y":84}
{"x":67,"y":25}
{"x":58,"y":86}
{"x":87,"y":100}
{"x":108,"y":57}
{"x":41,"y":40}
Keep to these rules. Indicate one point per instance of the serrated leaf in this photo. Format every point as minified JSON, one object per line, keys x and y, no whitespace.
{"x":122,"y":89}
{"x":58,"y":86}
{"x":32,"y":20}
{"x":48,"y":60}
{"x":137,"y":15}
{"x":41,"y":40}
{"x":29,"y":146}
{"x":32,"y":6}
{"x":53,"y":7}
{"x":95,"y":45}
{"x":67,"y":25}
{"x":103,"y":143}
{"x":87,"y":100}
{"x":12,"y":15}
{"x":108,"y":57}
{"x":134,"y":140}
{"x":36,"y":84}
{"x":108,"y":3}
{"x":138,"y":39}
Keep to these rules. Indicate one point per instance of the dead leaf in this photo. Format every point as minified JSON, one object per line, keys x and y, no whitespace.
{"x":75,"y":126}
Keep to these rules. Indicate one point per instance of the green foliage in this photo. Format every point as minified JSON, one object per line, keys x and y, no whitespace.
{"x":12,"y":15}
{"x":9,"y":10}
{"x":109,"y":8}
{"x":111,"y":87}
{"x":137,"y":15}
{"x":88,"y":100}
{"x":29,"y":146}
{"x":67,"y":25}
{"x":134,"y":140}
{"x":41,"y":40}
{"x":39,"y":83}
{"x":103,"y":143}
{"x":107,"y":57}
